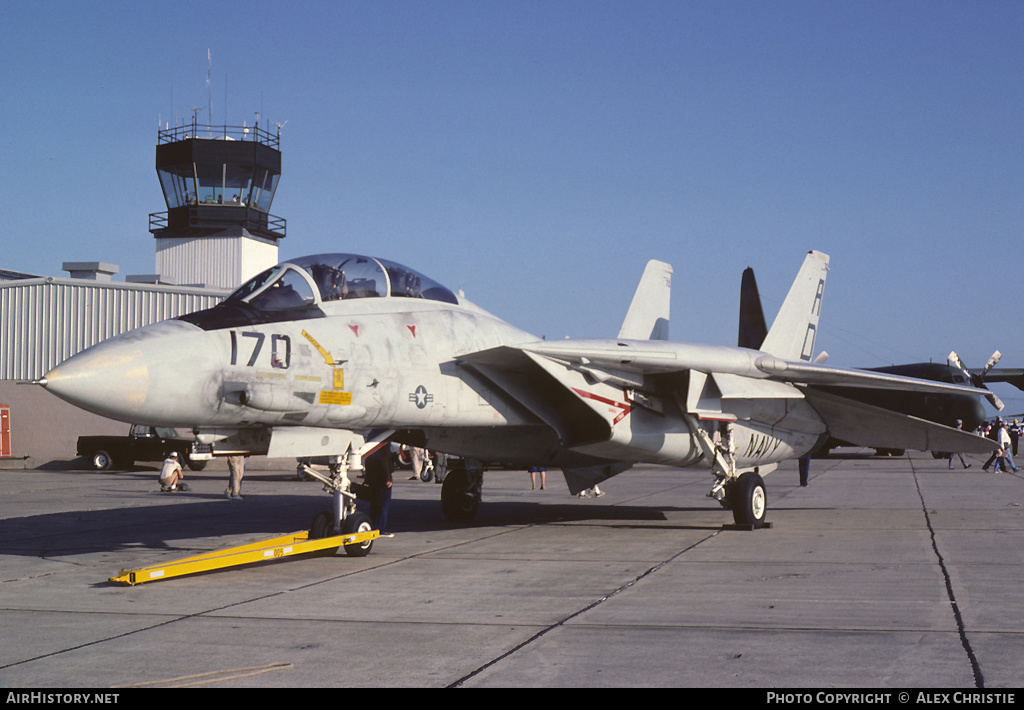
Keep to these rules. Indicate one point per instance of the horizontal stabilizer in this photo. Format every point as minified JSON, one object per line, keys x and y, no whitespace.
{"x":865,"y":425}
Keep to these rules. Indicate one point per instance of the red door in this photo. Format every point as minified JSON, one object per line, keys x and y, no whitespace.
{"x":5,"y":430}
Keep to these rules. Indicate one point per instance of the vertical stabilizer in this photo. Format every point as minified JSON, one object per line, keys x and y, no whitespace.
{"x":752,"y":324}
{"x":647,"y":318}
{"x":792,"y":334}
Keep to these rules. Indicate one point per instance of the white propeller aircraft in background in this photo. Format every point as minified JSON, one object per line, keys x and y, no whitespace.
{"x":336,"y":354}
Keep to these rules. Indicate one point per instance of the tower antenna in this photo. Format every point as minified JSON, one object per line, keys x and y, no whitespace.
{"x":209,"y":94}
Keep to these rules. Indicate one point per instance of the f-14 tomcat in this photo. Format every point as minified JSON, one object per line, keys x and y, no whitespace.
{"x":333,"y":355}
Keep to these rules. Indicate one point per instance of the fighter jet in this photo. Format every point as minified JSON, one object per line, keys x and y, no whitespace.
{"x":333,"y":355}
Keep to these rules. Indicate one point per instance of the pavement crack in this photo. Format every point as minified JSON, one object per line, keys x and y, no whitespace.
{"x":979,"y":679}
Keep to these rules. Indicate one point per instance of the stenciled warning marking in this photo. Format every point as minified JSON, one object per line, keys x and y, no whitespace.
{"x":333,"y":397}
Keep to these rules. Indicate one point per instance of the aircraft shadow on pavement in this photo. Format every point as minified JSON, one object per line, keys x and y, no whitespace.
{"x":498,"y":513}
{"x":215,"y":522}
{"x":160,"y":527}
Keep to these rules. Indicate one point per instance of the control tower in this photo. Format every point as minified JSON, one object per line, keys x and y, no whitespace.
{"x":218,"y":183}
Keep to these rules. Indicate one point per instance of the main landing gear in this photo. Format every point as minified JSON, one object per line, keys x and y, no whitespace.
{"x":461,"y":490}
{"x":748,"y":500}
{"x":743,"y":493}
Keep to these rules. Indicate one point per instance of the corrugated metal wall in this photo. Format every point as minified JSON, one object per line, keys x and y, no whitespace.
{"x":217,"y":262}
{"x":45,"y":321}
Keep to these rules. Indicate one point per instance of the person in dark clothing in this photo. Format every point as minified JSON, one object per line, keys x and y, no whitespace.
{"x":959,"y":425}
{"x":378,"y":477}
{"x":993,"y":434}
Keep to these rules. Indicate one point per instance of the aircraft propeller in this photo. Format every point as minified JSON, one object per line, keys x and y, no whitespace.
{"x":978,"y":380}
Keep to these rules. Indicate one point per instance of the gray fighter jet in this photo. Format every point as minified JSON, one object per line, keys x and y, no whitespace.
{"x":334,"y":355}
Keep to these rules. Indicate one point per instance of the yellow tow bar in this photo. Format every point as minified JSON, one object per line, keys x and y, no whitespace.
{"x":263,"y":551}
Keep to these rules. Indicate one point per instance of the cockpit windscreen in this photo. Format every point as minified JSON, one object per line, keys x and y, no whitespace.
{"x":336,"y":277}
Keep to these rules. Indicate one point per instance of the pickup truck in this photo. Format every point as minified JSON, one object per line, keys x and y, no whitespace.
{"x":143,"y":443}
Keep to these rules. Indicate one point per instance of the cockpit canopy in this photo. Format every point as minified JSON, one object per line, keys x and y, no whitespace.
{"x":322,"y":278}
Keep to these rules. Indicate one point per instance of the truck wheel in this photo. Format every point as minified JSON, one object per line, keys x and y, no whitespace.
{"x":102,"y":461}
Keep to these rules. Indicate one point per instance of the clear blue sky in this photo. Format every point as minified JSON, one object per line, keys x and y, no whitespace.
{"x":537,"y":154}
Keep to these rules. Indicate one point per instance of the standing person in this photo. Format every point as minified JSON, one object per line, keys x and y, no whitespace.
{"x":236,"y":468}
{"x":1005,"y":444}
{"x":993,"y":434}
{"x":417,"y":454}
{"x":959,"y":425}
{"x":534,"y":470}
{"x":378,"y":477}
{"x":805,"y":469}
{"x":171,"y":474}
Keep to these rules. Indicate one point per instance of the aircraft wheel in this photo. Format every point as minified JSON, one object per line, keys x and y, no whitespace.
{"x":460,"y":497}
{"x":749,"y":500}
{"x":102,"y":461}
{"x":427,"y":472}
{"x":323,"y":526}
{"x":356,"y":523}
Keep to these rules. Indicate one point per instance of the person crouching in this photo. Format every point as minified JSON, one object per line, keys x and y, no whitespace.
{"x":171,"y":474}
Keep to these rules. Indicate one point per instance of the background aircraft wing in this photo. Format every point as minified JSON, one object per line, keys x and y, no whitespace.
{"x":1013,"y":376}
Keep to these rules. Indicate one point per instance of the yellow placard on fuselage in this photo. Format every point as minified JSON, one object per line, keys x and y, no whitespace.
{"x":334,"y":397}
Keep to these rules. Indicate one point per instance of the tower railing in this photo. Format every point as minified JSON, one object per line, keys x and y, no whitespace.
{"x":199,"y":217}
{"x":225,"y":132}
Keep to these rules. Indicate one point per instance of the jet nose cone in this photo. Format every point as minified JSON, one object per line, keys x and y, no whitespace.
{"x":117,"y":377}
{"x":97,"y":378}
